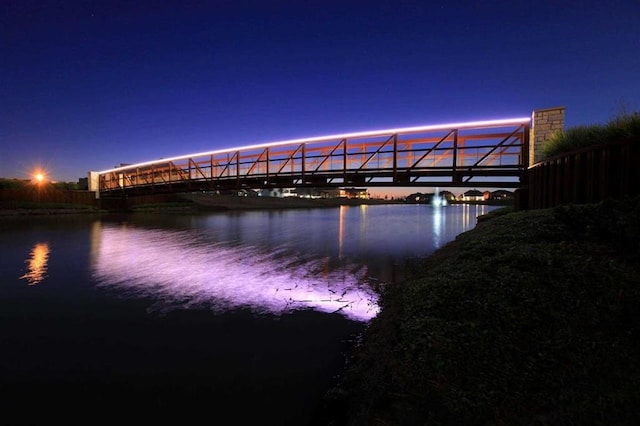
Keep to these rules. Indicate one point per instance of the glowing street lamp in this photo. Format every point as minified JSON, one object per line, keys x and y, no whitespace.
{"x":39,"y":180}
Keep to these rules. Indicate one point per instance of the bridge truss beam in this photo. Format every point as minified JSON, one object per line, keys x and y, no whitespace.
{"x":487,"y":154}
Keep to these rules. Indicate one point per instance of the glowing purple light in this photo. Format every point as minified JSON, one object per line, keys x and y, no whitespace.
{"x":179,"y":271}
{"x":371,"y":133}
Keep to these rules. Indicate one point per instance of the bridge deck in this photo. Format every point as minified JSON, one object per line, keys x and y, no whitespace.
{"x":488,"y":154}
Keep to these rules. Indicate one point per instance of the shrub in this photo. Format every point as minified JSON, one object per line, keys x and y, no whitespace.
{"x":13,"y":184}
{"x":623,"y":127}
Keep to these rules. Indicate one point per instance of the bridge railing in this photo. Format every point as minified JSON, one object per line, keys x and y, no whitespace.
{"x":488,"y":153}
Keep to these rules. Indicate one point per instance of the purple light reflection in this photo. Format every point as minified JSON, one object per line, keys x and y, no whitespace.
{"x":180,"y":269}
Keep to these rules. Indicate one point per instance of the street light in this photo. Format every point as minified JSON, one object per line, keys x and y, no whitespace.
{"x":39,"y":177}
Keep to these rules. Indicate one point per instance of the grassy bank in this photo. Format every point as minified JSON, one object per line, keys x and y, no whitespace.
{"x":622,"y":128}
{"x":530,"y":318}
{"x":21,"y":208}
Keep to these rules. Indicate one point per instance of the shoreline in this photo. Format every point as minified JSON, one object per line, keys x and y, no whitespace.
{"x":21,"y":212}
{"x":524,"y":303}
{"x":198,"y":203}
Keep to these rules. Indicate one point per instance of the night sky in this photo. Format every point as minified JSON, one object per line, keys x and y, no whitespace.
{"x":87,"y":85}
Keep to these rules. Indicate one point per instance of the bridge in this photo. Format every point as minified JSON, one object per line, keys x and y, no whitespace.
{"x":493,"y":154}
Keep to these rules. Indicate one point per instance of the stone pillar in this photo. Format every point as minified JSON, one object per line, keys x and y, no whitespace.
{"x":94,"y":183}
{"x":544,"y":122}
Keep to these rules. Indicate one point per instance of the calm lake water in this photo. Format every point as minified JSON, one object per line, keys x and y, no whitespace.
{"x":241,"y":317}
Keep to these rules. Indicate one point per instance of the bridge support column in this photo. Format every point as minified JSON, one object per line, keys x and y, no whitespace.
{"x":544,"y":123}
{"x":94,"y":183}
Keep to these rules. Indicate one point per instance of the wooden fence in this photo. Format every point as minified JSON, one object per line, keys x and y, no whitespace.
{"x":585,"y":176}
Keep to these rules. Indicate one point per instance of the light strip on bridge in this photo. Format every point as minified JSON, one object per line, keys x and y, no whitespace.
{"x":470,"y":124}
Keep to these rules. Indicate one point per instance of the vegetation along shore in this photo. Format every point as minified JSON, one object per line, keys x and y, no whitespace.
{"x":530,"y":318}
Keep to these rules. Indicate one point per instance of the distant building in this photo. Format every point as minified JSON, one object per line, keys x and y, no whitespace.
{"x":501,"y":194}
{"x":448,"y":195}
{"x":302,"y":192}
{"x":351,"y":193}
{"x":306,"y":192}
{"x":328,"y":192}
{"x":83,"y":183}
{"x":473,"y":195}
{"x":416,"y":198}
{"x":237,"y":192}
{"x":276,"y":192}
{"x":428,"y":198}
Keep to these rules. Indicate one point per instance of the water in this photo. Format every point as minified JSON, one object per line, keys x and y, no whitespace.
{"x":242,"y":317}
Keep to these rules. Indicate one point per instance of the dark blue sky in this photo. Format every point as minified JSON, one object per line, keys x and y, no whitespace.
{"x":87,"y":85}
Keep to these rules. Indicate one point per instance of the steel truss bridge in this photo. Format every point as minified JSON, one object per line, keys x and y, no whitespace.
{"x":493,"y":154}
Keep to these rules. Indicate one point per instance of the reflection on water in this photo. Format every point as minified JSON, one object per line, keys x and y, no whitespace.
{"x":341,"y":225}
{"x":181,"y":268}
{"x":37,"y":264}
{"x":273,"y":262}
{"x":438,"y":219}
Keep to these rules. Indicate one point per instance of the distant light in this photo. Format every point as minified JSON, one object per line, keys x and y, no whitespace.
{"x":37,"y":264}
{"x":39,"y":177}
{"x":416,"y":129}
